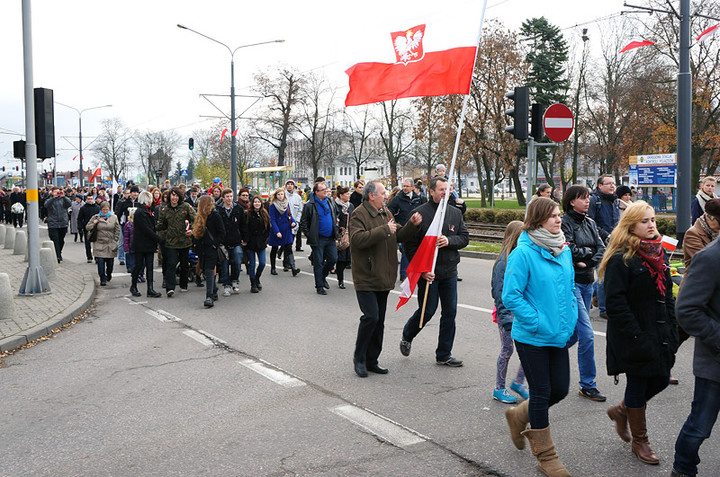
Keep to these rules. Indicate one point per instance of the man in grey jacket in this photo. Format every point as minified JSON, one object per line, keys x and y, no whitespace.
{"x":57,"y":208}
{"x":698,"y":312}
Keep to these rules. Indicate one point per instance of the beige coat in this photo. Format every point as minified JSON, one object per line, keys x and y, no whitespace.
{"x":695,"y":240}
{"x":106,"y":245}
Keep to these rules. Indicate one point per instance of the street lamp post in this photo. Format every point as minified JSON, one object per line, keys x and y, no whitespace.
{"x":233,"y":141}
{"x":80,"y":111}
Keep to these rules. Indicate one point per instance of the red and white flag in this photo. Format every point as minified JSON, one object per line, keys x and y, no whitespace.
{"x":669,"y":243}
{"x":433,"y":58}
{"x":424,"y":258}
{"x":636,"y":44}
{"x":95,"y":174}
{"x":707,"y":33}
{"x":222,"y":136}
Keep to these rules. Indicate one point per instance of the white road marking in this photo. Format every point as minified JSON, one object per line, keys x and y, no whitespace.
{"x":380,"y":426}
{"x":169,"y":316}
{"x":157,"y":315}
{"x":212,"y":337}
{"x":203,"y":340}
{"x":273,"y":374}
{"x":475,"y":308}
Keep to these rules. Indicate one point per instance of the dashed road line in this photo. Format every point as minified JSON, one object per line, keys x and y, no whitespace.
{"x":169,"y":316}
{"x":272,"y":373}
{"x":157,"y":315}
{"x":200,"y":338}
{"x":380,"y":426}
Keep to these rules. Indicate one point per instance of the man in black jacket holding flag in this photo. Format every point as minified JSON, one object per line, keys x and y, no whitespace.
{"x":442,"y":287}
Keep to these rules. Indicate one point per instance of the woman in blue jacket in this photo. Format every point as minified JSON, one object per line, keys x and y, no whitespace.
{"x":539,"y":290}
{"x":281,"y":236}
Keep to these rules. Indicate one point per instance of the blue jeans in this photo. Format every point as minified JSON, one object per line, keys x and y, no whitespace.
{"x":600,"y":292}
{"x":230,"y":269}
{"x":261,"y":262}
{"x":584,"y":334}
{"x":697,"y":427}
{"x":403,"y":262}
{"x":324,"y":256}
{"x":547,"y":371}
{"x":121,"y":248}
{"x":443,"y":291}
{"x":640,"y":389}
{"x":130,"y":261}
{"x":105,"y":268}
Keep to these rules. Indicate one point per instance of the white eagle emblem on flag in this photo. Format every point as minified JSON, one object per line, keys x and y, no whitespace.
{"x":408,"y":44}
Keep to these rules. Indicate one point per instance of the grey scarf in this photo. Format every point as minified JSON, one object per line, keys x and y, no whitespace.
{"x":702,"y":198}
{"x":544,"y":239}
{"x":281,"y":205}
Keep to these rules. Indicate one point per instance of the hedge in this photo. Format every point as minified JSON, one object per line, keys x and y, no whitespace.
{"x":493,"y":216}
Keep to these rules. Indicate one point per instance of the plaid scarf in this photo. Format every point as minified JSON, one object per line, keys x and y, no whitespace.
{"x":653,"y":254}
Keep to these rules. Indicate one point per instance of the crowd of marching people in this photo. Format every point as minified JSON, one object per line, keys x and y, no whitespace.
{"x":572,"y":251}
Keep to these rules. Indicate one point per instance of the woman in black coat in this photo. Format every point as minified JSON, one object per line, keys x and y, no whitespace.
{"x":208,"y":232}
{"x":642,"y":335}
{"x":255,"y":233}
{"x":145,"y":242}
{"x":344,"y":210}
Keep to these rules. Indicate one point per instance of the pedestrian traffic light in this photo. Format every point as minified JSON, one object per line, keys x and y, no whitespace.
{"x":521,"y":96}
{"x":536,"y":121}
{"x":191,"y":144}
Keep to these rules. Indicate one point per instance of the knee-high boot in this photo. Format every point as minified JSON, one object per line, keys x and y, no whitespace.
{"x":273,"y":255}
{"x":543,"y":448}
{"x":133,"y":285}
{"x":258,"y":272}
{"x":618,"y":414}
{"x":291,"y":262}
{"x":150,"y":291}
{"x":638,"y":429}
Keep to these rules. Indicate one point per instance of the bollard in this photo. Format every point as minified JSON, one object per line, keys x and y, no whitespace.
{"x":2,"y":233}
{"x":48,"y":244}
{"x":10,"y":238}
{"x":48,"y":261}
{"x":7,"y":305}
{"x":20,"y":243}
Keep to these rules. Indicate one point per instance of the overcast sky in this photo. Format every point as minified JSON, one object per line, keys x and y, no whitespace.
{"x":132,"y":55}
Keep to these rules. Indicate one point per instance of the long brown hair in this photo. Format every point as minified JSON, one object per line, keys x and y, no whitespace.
{"x":622,"y":237}
{"x":263,"y":213}
{"x":512,"y":233}
{"x":206,"y":204}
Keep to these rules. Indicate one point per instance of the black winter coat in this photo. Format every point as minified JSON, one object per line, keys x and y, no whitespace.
{"x":145,"y":239}
{"x":585,"y":243}
{"x":87,"y":211}
{"x":343,"y":222}
{"x":255,"y":232}
{"x":401,"y":205}
{"x":232,"y":224}
{"x":208,"y":244}
{"x":642,"y":335}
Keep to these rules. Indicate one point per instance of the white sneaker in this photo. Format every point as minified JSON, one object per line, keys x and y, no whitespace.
{"x":227,"y":291}
{"x":170,"y":293}
{"x":183,"y":290}
{"x":235,"y":289}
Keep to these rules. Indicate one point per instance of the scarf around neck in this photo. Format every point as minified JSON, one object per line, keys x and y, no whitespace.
{"x":545,"y":239}
{"x":105,"y":215}
{"x":344,"y":205}
{"x":652,"y":254}
{"x":281,"y":206}
{"x":702,"y":198}
{"x":706,"y":228}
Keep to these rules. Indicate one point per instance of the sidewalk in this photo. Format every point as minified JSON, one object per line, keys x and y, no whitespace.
{"x":72,"y":291}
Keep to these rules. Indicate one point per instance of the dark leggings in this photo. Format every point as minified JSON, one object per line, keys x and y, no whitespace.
{"x":144,"y":260}
{"x":340,"y":270}
{"x":640,"y":389}
{"x":547,"y":370}
{"x":285,"y":250}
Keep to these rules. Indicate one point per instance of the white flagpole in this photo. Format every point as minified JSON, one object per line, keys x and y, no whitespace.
{"x":443,"y":201}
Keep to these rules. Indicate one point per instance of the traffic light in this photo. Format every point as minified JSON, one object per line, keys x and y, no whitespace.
{"x":17,"y":168}
{"x":191,"y":144}
{"x":3,"y":168}
{"x":72,"y":174}
{"x":536,"y":121}
{"x":160,"y":171}
{"x":521,"y":96}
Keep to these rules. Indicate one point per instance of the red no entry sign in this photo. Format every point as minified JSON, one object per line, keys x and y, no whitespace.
{"x":558,"y":122}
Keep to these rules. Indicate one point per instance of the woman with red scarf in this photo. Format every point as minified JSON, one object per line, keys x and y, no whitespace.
{"x":642,"y":335}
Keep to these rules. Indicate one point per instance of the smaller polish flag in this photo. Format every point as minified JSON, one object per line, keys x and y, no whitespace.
{"x":707,"y":33}
{"x":423,"y":259}
{"x":235,"y":132}
{"x":95,"y":174}
{"x":636,"y":44}
{"x":222,"y":136}
{"x":669,"y":243}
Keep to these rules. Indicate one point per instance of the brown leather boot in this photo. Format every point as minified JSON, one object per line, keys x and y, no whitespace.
{"x":618,"y":414}
{"x":640,"y":444}
{"x":517,"y":419}
{"x":543,"y":448}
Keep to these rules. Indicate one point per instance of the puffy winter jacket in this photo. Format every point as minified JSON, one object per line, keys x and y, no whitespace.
{"x":585,"y":244}
{"x":539,"y":290}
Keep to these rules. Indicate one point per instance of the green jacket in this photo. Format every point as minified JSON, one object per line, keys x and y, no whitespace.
{"x":171,"y":221}
{"x":374,"y":249}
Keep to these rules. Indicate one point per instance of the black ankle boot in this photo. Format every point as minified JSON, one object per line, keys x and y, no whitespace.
{"x":134,"y":291}
{"x":253,"y":286}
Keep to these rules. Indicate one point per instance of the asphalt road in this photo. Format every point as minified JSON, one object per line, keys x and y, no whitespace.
{"x":263,"y":384}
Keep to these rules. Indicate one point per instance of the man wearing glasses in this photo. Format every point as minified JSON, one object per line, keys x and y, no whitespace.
{"x":319,"y":224}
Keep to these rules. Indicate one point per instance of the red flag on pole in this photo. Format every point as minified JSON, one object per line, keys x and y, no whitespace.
{"x":635,"y":44}
{"x":430,"y":59}
{"x":424,"y":257}
{"x":222,"y":136}
{"x":95,"y":174}
{"x":708,"y":32}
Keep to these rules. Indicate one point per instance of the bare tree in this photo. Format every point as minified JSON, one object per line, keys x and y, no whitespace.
{"x":316,"y":121}
{"x":360,"y":130}
{"x":396,"y":135}
{"x":428,"y":130}
{"x":282,"y":92}
{"x":155,"y":150}
{"x":113,"y":148}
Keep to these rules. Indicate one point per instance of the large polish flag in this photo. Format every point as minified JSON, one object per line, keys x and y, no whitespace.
{"x":431,"y":56}
{"x":424,"y":259}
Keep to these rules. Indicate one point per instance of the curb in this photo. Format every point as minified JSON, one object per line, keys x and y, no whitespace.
{"x":481,"y":255}
{"x":44,"y":329}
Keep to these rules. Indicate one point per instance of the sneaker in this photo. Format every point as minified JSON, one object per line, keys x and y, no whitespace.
{"x":122,"y":262}
{"x":227,"y":291}
{"x":452,"y":362}
{"x":183,"y":290}
{"x":504,"y":396}
{"x":592,"y":394}
{"x":235,"y":288}
{"x":405,"y":347}
{"x":521,"y":389}
{"x":170,"y":293}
